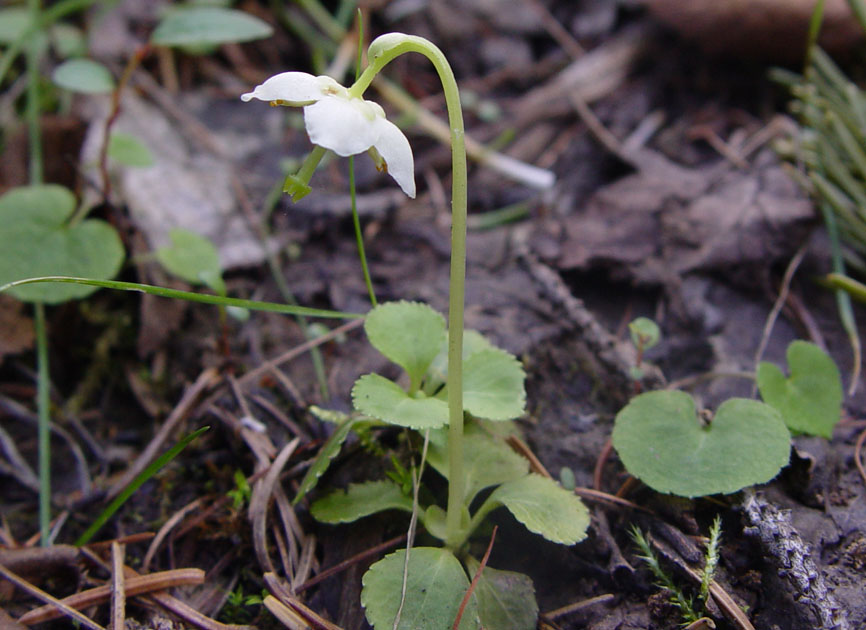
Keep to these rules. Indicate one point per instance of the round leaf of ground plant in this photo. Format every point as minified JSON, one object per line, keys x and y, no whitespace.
{"x":409,"y":333}
{"x":83,"y":75}
{"x":662,"y":442}
{"x":380,"y":398}
{"x":360,"y":500}
{"x":491,"y":462}
{"x":810,"y":400}
{"x":193,"y":258}
{"x":493,"y":385}
{"x":544,"y":508}
{"x":208,"y":26}
{"x":644,"y":332}
{"x":506,"y":599}
{"x":129,"y":151}
{"x":35,"y":240}
{"x":435,"y":588}
{"x":473,"y":341}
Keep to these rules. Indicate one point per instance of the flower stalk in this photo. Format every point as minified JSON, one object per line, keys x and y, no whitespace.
{"x":382,"y":51}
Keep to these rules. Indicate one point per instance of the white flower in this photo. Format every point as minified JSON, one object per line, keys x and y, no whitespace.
{"x":344,"y":124}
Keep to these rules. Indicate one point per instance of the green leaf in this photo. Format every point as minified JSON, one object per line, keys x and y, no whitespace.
{"x":493,"y":385}
{"x":506,"y":599}
{"x":380,"y":398}
{"x":326,"y":454}
{"x":13,"y":22}
{"x":544,"y":508}
{"x":129,"y":150}
{"x":208,"y":26}
{"x":360,"y":500}
{"x":489,"y":461}
{"x":644,"y":332}
{"x":83,"y":75}
{"x":193,"y":258}
{"x":409,"y":333}
{"x":473,"y":341}
{"x":435,"y":588}
{"x":68,"y":40}
{"x":662,"y":442}
{"x":36,"y":240}
{"x":810,"y":401}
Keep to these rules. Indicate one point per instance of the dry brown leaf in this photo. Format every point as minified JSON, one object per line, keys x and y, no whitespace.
{"x":771,"y":29}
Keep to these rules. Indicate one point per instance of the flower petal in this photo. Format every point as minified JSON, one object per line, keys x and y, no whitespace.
{"x":394,"y":148}
{"x":339,"y":125}
{"x":295,"y":88}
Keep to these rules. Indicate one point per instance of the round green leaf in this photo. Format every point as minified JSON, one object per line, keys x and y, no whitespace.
{"x":662,"y":442}
{"x":493,"y":385}
{"x":409,"y":333}
{"x":68,"y":40}
{"x":83,"y":75}
{"x":810,"y":401}
{"x":35,"y":240}
{"x":360,"y":500}
{"x":435,"y":587}
{"x":380,"y":398}
{"x":193,"y":258}
{"x":129,"y":150}
{"x":208,"y":26}
{"x":544,"y":507}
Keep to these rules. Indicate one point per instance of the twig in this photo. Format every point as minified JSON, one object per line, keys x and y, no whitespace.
{"x":118,"y":587}
{"x":56,"y":606}
{"x":576,"y":606}
{"x":134,"y":585}
{"x":777,"y":307}
{"x":858,"y":455}
{"x":345,"y":564}
{"x":165,"y":530}
{"x":475,"y":579}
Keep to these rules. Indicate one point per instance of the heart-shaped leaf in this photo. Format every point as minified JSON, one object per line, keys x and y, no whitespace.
{"x":543,"y":507}
{"x":359,"y":500}
{"x":435,"y":586}
{"x":35,"y":240}
{"x":384,"y":400}
{"x":506,"y":599}
{"x":810,"y":401}
{"x":662,"y":442}
{"x":409,"y":333}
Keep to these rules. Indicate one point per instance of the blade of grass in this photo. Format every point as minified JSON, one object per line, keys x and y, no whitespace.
{"x":203,"y":298}
{"x":136,"y":483}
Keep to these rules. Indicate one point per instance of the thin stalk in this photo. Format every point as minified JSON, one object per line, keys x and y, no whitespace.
{"x":359,"y":236}
{"x":43,"y":402}
{"x":381,"y":52}
{"x":34,"y":133}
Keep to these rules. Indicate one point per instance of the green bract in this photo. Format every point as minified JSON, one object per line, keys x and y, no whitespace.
{"x":662,"y":442}
{"x":810,"y":400}
{"x":37,"y":240}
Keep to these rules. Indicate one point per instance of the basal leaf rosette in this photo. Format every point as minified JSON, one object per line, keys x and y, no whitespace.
{"x":662,"y":441}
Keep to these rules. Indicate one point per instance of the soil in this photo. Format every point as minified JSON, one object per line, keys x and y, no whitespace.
{"x":669,"y":203}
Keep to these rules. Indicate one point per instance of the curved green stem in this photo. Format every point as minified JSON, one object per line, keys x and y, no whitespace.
{"x":382,"y":51}
{"x":43,"y":386}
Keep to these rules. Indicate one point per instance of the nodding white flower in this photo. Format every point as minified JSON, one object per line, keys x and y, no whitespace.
{"x":343,"y":123}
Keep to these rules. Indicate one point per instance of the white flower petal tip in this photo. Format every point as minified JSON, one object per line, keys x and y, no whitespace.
{"x":295,"y":88}
{"x":396,"y":155}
